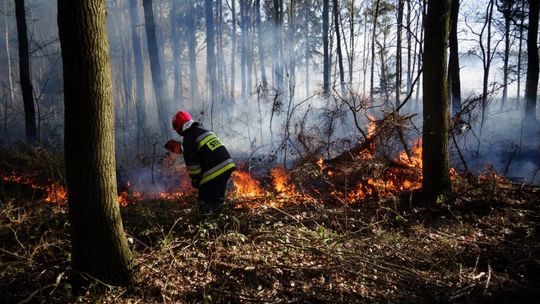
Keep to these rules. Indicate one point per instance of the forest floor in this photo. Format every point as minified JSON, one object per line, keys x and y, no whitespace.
{"x":481,"y":247}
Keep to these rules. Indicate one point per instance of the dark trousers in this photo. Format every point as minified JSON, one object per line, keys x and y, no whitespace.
{"x":212,"y":193}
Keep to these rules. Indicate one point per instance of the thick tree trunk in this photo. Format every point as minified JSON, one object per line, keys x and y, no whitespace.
{"x":436,"y":172}
{"x":326,"y":55}
{"x":453,"y":65}
{"x":24,"y":73}
{"x":531,"y":84}
{"x":98,"y":243}
{"x":160,"y":88}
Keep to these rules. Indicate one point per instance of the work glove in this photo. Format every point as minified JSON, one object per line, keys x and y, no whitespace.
{"x":173,"y":146}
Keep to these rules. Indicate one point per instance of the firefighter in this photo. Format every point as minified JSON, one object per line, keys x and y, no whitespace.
{"x":207,"y":160}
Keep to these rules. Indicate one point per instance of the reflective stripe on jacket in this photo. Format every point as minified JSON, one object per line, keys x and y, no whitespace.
{"x":205,"y":156}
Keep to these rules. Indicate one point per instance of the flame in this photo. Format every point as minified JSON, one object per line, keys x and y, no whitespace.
{"x":281,"y":182}
{"x":320,"y":164}
{"x":123,"y":199}
{"x":245,"y":185}
{"x":414,"y":160}
{"x":372,"y":125}
{"x":56,"y":192}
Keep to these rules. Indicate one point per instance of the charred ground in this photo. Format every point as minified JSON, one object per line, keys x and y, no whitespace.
{"x":483,"y":246}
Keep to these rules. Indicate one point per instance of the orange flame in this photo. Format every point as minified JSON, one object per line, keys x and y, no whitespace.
{"x":56,"y":192}
{"x":281,"y":182}
{"x":372,"y":125}
{"x":245,"y":185}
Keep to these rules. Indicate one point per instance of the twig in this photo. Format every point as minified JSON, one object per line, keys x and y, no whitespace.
{"x":488,"y":280}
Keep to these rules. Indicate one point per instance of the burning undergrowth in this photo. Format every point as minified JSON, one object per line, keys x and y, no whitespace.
{"x":284,"y":239}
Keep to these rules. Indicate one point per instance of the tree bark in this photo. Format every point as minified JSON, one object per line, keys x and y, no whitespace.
{"x":277,"y":16}
{"x":243,"y":47}
{"x":98,"y":243}
{"x":24,"y":74}
{"x":139,"y":71}
{"x":398,"y":52}
{"x":326,"y":56}
{"x":373,"y":38}
{"x":409,"y":48}
{"x":233,"y":47}
{"x":177,"y":58}
{"x":338,"y":47}
{"x":453,"y":65}
{"x":160,"y":89}
{"x":264,"y":81}
{"x":436,"y":176}
{"x":210,"y":56}
{"x":9,"y":99}
{"x":520,"y":50}
{"x":531,"y":84}
{"x":506,"y":10}
{"x":192,"y":53}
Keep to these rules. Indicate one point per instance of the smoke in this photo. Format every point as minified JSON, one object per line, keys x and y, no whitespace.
{"x":270,"y":122}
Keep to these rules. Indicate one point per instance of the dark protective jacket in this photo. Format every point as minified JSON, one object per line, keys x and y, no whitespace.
{"x":205,"y":156}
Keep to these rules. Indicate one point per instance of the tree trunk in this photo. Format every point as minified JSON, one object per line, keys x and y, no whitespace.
{"x":160,"y":89}
{"x":176,"y":55}
{"x":338,"y":47}
{"x":352,"y":41}
{"x":409,"y":48}
{"x":192,"y":53}
{"x":326,"y":56}
{"x":10,"y":98}
{"x":221,"y":82}
{"x":520,"y":49}
{"x":436,"y":176}
{"x":453,"y":68}
{"x":373,"y":38}
{"x":486,"y":56}
{"x":233,"y":47}
{"x":264,"y":81}
{"x":98,"y":243}
{"x":398,"y":52}
{"x":531,"y":84}
{"x":506,"y":10}
{"x":210,"y":56}
{"x":243,"y":47}
{"x":24,"y":74}
{"x":277,"y":16}
{"x":139,"y":71}
{"x":306,"y":51}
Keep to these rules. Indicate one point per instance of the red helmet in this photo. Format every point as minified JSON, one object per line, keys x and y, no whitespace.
{"x":179,"y":120}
